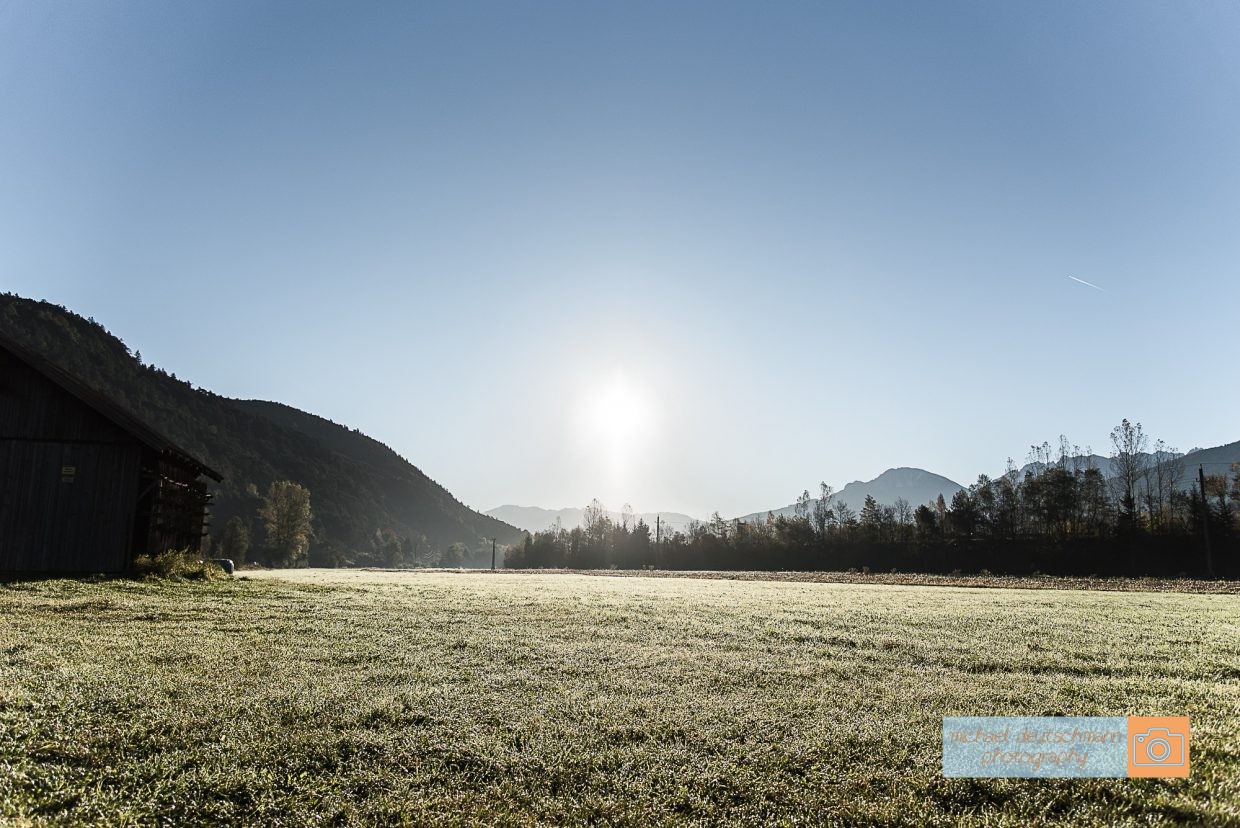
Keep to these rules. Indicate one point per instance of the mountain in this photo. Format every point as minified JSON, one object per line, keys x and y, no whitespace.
{"x":536,"y":519}
{"x":359,"y":488}
{"x":917,"y":486}
{"x":1217,"y":460}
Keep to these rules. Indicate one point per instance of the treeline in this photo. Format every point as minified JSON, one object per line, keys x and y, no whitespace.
{"x":1062,"y":515}
{"x":280,"y":532}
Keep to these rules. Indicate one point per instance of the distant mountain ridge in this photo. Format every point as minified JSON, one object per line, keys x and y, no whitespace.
{"x":1214,"y":460}
{"x":361,"y":491}
{"x":917,"y":486}
{"x":537,"y":519}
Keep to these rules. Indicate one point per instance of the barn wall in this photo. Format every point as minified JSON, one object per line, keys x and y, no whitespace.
{"x":66,"y":507}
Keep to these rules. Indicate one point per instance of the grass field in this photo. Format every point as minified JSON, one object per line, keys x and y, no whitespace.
{"x":325,"y":697}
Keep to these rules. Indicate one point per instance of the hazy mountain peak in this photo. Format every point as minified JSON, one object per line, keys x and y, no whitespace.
{"x":538,"y":519}
{"x":915,"y":485}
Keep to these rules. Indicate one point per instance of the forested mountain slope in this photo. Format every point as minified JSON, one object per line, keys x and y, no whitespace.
{"x":360,"y":489}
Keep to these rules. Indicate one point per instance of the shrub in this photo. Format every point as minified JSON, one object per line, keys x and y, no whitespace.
{"x":175,"y":564}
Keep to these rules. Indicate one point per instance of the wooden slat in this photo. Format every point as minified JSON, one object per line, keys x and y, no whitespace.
{"x":50,"y":525}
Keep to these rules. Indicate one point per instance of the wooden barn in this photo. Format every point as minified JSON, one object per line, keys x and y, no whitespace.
{"x":84,"y":485}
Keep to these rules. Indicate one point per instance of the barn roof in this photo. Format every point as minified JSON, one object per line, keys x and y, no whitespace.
{"x":108,"y":408}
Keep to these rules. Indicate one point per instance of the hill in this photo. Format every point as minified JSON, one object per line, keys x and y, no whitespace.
{"x":363,"y":493}
{"x":917,"y":486}
{"x":1217,"y":460}
{"x":537,"y":519}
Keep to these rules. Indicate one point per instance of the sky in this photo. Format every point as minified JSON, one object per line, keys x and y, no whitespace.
{"x":695,"y":257}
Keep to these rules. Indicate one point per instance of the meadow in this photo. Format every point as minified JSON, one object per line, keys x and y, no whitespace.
{"x":352,"y":697}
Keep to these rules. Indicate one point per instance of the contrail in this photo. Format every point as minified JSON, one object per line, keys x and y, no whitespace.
{"x":1090,"y":284}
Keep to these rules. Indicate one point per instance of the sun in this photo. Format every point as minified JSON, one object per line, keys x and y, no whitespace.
{"x":616,"y":418}
{"x":617,"y":411}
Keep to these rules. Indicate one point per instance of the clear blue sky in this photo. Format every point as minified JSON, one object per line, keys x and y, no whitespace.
{"x":806,"y":241}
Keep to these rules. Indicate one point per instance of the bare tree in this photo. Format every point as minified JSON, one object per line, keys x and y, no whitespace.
{"x":822,"y":509}
{"x":1011,"y":472}
{"x":801,"y":510}
{"x":845,"y":516}
{"x":1066,"y":455}
{"x":903,"y":515}
{"x":1167,"y":471}
{"x":594,"y":513}
{"x":1130,"y":464}
{"x":1040,"y":457}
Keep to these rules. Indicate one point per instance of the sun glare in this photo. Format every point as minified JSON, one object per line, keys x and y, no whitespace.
{"x":617,"y":417}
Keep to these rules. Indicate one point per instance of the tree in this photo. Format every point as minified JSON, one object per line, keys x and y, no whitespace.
{"x":1129,"y":464}
{"x":822,"y":509}
{"x":983,"y":494}
{"x":963,"y":515}
{"x":902,"y":513}
{"x":801,"y":510}
{"x":1007,"y":503}
{"x":454,"y":555}
{"x":389,"y":548}
{"x":420,"y":550}
{"x":1168,"y":469}
{"x":927,"y":521}
{"x":1235,"y":486}
{"x":286,"y":517}
{"x":1051,"y":499}
{"x":594,"y":516}
{"x":589,"y":547}
{"x":1222,"y":513}
{"x":1096,"y":511}
{"x":871,"y":518}
{"x":844,"y":515}
{"x":235,"y":541}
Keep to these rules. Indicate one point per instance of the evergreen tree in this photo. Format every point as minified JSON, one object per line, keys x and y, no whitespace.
{"x":871,"y":518}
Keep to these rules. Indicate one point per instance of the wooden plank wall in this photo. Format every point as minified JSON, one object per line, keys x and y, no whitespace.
{"x":53,"y":521}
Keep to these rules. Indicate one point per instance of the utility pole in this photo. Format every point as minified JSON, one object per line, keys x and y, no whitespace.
{"x":492,"y":554}
{"x":1205,"y":518}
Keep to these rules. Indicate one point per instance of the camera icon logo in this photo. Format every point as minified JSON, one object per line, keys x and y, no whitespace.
{"x":1158,"y":746}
